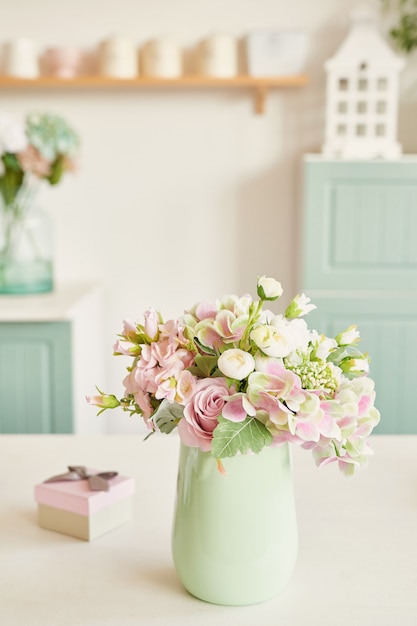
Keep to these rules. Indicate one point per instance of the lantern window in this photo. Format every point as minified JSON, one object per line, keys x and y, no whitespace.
{"x":381,"y":106}
{"x":382,"y":84}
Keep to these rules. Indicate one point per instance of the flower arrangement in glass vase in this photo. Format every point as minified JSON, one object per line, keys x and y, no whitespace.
{"x":234,"y":377}
{"x":41,"y":148}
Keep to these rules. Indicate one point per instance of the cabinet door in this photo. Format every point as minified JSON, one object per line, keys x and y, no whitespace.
{"x":388,"y":328}
{"x":360,"y":225}
{"x":35,"y":378}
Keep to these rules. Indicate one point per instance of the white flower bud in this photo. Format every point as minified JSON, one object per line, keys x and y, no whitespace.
{"x":269,"y":288}
{"x":299,"y":306}
{"x":348,"y":336}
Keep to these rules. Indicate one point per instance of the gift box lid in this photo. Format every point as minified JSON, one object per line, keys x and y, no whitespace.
{"x":77,"y":497}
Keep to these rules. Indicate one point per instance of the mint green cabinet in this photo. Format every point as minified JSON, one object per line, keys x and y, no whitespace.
{"x":35,"y":377}
{"x":50,"y":357}
{"x":359,"y":266}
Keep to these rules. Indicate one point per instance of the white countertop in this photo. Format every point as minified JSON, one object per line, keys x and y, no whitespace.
{"x":57,"y":305}
{"x":357,"y":563}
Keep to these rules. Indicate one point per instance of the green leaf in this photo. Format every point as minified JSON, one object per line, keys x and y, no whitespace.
{"x":206,"y":364}
{"x":12,"y":162}
{"x":167,"y":416}
{"x":57,"y":169}
{"x":229,"y":438}
{"x":11,"y":180}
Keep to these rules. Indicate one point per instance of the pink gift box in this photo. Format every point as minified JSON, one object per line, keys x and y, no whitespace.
{"x":70,"y":507}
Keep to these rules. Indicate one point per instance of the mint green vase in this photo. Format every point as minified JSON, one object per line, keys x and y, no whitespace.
{"x":235,"y":538}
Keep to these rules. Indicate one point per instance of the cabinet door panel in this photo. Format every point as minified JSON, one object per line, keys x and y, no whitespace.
{"x":388,"y":328}
{"x":360,"y":225}
{"x":35,"y":378}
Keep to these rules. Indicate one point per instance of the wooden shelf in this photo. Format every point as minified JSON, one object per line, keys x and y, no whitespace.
{"x":259,"y":85}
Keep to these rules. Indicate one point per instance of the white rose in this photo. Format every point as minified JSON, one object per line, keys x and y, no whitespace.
{"x":269,"y":288}
{"x":271,"y":341}
{"x":236,"y":363}
{"x":294,"y":333}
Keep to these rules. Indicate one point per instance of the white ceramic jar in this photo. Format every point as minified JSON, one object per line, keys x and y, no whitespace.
{"x":21,"y":58}
{"x":162,"y":57}
{"x":118,"y":57}
{"x":218,"y":56}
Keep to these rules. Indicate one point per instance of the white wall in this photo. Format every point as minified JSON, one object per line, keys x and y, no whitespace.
{"x":181,"y":195}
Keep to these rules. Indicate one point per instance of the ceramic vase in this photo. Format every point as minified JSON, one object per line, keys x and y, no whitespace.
{"x":235,"y":535}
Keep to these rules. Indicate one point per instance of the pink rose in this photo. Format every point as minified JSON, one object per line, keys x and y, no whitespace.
{"x":202,"y":411}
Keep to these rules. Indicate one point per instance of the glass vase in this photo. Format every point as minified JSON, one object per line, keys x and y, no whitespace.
{"x":235,"y":537}
{"x":25,"y":246}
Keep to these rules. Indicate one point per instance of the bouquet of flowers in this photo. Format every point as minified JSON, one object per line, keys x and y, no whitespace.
{"x":41,"y":148}
{"x":234,"y":377}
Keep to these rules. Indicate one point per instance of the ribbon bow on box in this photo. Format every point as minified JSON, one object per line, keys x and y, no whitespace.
{"x":96,"y":482}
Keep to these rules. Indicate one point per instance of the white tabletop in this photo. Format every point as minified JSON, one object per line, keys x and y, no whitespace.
{"x":357,"y":563}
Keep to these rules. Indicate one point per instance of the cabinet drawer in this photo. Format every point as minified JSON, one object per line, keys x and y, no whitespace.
{"x":360,"y":225}
{"x":35,"y":377}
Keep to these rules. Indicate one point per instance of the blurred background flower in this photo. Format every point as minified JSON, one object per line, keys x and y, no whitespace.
{"x":42,"y":147}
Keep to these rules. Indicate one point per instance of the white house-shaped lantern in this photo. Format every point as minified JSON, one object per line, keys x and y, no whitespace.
{"x":362,"y":94}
